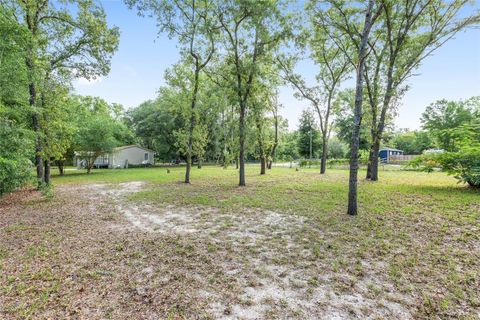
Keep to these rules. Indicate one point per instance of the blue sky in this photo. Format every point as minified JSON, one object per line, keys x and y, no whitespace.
{"x":453,"y":72}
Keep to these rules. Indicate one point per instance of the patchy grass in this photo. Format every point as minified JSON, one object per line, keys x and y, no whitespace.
{"x":280,"y":247}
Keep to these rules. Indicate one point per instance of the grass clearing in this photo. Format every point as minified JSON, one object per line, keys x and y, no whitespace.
{"x":138,"y":243}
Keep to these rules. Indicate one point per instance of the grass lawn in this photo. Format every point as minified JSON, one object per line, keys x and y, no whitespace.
{"x":138,"y":243}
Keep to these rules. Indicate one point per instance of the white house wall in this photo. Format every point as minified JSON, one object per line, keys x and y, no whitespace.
{"x":134,"y":155}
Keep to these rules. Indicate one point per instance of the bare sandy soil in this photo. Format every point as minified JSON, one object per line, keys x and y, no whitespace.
{"x":91,"y":253}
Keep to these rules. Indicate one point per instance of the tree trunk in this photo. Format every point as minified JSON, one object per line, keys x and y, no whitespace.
{"x":90,"y":165}
{"x":188,"y":168}
{"x":224,"y":161}
{"x":369,"y":164}
{"x":261,"y":145}
{"x":377,"y":129}
{"x":263,"y":162}
{"x":275,"y":142}
{"x":30,"y":63}
{"x":61,"y":169}
{"x":241,"y":137}
{"x":38,"y":152}
{"x":199,"y":164}
{"x":374,"y":165}
{"x":38,"y":140}
{"x":192,"y":125}
{"x":47,"y":172}
{"x":323,"y":165}
{"x":352,"y":186}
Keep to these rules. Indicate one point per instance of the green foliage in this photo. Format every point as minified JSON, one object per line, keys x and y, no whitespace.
{"x":412,"y":142}
{"x":337,"y":149}
{"x":70,"y":39}
{"x":200,"y":139}
{"x":58,"y":121}
{"x":47,"y":190}
{"x":344,"y":120}
{"x":308,"y":163}
{"x":442,"y":118}
{"x":288,"y":147}
{"x":95,"y":137}
{"x":85,"y":108}
{"x":154,"y":124}
{"x":16,"y":148}
{"x":338,"y":162}
{"x":13,"y":73}
{"x":307,"y":131}
{"x":464,"y":163}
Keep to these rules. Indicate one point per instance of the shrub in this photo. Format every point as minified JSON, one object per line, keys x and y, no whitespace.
{"x":464,"y":165}
{"x":338,"y":162}
{"x":15,"y":148}
{"x":309,"y":163}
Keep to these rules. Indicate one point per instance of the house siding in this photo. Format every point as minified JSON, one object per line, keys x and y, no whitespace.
{"x":119,"y":157}
{"x":134,"y":156}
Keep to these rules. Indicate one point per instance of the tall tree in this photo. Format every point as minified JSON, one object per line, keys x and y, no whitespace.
{"x":60,"y":42}
{"x":370,"y":17}
{"x":192,"y":23}
{"x":410,"y":32}
{"x":252,"y":31}
{"x":226,"y":101}
{"x":345,"y":21}
{"x":334,"y":67}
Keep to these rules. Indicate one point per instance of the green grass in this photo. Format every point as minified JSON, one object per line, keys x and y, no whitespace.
{"x":422,"y":227}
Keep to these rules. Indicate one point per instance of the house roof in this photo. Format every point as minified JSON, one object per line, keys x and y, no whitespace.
{"x":390,"y":149}
{"x":131,"y":146}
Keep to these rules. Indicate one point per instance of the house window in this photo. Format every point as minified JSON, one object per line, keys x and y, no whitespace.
{"x":146,"y":156}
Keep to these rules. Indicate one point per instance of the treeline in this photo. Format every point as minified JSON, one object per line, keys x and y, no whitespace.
{"x":160,"y":125}
{"x":220,"y":100}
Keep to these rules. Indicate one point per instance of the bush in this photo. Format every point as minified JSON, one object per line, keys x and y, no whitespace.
{"x":308,"y":163}
{"x":464,"y":165}
{"x":15,"y":148}
{"x":14,"y":174}
{"x":338,"y":162}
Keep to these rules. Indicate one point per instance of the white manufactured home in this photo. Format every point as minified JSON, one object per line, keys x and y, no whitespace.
{"x":121,"y":157}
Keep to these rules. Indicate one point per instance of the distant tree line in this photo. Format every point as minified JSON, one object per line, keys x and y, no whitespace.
{"x":220,"y":100}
